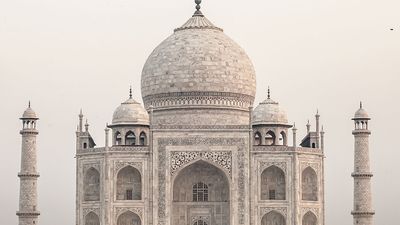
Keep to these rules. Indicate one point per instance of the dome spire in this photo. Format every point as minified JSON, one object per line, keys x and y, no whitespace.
{"x":269,"y":93}
{"x":198,"y":12}
{"x":360,"y":104}
{"x":29,"y":104}
{"x":130,"y":92}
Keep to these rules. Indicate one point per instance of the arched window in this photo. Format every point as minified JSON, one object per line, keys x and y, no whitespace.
{"x":273,"y":184}
{"x":309,"y":219}
{"x":282,"y":138}
{"x":118,"y":138}
{"x":143,"y":138}
{"x":313,"y":145}
{"x":129,"y":184}
{"x":85,"y":145}
{"x":273,"y":218}
{"x":92,"y":185}
{"x":270,"y":138}
{"x":130,"y":138}
{"x":200,"y":222}
{"x":257,"y":138}
{"x":200,"y":192}
{"x":128,"y":218}
{"x":92,"y":219}
{"x":309,"y":185}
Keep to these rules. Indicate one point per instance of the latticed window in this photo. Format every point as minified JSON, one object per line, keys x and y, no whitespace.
{"x":200,"y":222}
{"x":200,"y":193}
{"x":272,"y":195}
{"x":129,"y":195}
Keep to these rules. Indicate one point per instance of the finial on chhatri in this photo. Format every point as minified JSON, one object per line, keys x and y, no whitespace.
{"x":130,"y":91}
{"x":198,"y":12}
{"x":269,"y":93}
{"x":360,"y":104}
{"x":29,"y":104}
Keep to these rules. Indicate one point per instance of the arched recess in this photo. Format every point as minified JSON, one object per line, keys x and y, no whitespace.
{"x":309,"y":184}
{"x":270,"y":138}
{"x":92,"y":219}
{"x":130,"y":138}
{"x":273,"y":184}
{"x":129,"y":218}
{"x":273,"y":218}
{"x":129,"y":184}
{"x":91,"y":183}
{"x":118,"y":138}
{"x":309,"y":219}
{"x":282,"y":138}
{"x":143,"y":139}
{"x":189,"y":188}
{"x":257,"y":138}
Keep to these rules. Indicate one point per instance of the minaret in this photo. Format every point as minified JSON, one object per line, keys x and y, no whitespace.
{"x":28,"y":213}
{"x":362,"y":212}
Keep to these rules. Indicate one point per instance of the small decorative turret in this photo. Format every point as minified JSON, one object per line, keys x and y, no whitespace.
{"x":28,"y":213}
{"x":317,"y":128}
{"x":362,"y":212}
{"x":83,"y":138}
{"x":294,"y":129}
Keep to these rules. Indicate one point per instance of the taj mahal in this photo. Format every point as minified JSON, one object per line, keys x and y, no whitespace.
{"x":199,"y":151}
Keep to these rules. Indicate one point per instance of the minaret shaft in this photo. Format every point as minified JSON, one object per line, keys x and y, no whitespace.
{"x":362,"y":208}
{"x":28,"y":213}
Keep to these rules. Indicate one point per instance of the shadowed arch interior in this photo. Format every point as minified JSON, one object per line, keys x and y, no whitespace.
{"x":129,"y":218}
{"x":273,"y":218}
{"x":189,"y":189}
{"x":91,"y":185}
{"x":309,"y":184}
{"x":92,"y":219}
{"x":129,"y":184}
{"x":309,"y":219}
{"x":273,"y":184}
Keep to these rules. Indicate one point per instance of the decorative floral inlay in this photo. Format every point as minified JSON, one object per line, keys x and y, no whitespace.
{"x":181,"y":158}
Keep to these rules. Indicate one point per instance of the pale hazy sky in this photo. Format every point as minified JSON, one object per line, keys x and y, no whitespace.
{"x":69,"y":54}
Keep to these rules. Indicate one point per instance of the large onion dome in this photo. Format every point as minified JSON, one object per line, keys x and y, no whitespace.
{"x":130,"y":112}
{"x":198,"y":66}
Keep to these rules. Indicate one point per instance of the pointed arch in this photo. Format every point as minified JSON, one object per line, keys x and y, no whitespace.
{"x":309,"y":184}
{"x":130,"y":138}
{"x":270,"y":138}
{"x":129,"y":184}
{"x":273,"y":184}
{"x":273,"y":218}
{"x":118,"y":138}
{"x":198,"y":184}
{"x":309,"y":219}
{"x":91,"y":183}
{"x":143,"y":138}
{"x":129,"y":218}
{"x":257,"y":138}
{"x":92,"y":219}
{"x":282,"y":138}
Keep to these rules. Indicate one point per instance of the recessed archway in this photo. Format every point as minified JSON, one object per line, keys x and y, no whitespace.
{"x":273,"y":218}
{"x":201,"y":189}
{"x":129,"y":218}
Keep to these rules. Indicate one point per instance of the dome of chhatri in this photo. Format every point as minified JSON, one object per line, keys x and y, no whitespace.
{"x":361,"y":113}
{"x":29,"y":113}
{"x":269,"y":112}
{"x":198,"y":60}
{"x":130,"y":112}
